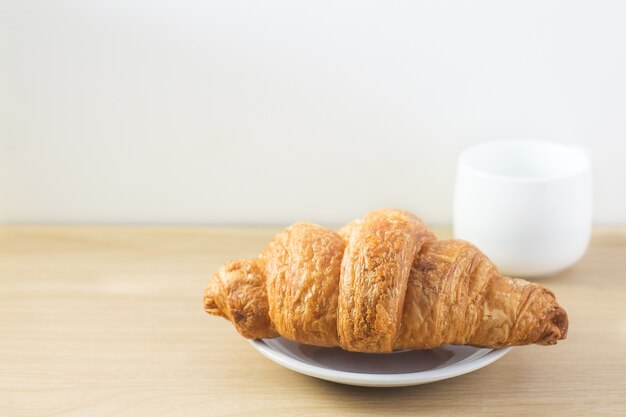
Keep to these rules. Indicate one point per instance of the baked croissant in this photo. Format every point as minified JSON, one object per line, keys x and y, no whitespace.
{"x":381,"y":283}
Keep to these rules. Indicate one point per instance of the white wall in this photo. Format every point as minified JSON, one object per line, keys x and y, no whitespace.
{"x":269,"y":112}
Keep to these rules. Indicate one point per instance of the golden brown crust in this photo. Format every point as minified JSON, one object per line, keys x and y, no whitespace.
{"x":455,"y":295}
{"x":383,"y":282}
{"x":303,"y":264}
{"x":374,"y":274}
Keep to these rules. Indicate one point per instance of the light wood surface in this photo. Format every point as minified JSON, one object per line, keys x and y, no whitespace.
{"x":105,"y":321}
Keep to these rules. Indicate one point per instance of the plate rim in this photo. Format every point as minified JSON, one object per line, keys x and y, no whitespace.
{"x":377,"y":380}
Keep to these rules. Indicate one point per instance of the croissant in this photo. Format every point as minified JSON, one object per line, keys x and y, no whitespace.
{"x":381,"y":283}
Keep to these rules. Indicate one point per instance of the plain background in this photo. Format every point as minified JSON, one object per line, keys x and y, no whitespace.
{"x":230,"y":112}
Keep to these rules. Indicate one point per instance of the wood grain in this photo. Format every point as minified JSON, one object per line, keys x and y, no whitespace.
{"x":106,"y":321}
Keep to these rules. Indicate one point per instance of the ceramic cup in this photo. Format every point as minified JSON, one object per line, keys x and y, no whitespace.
{"x":525,"y":203}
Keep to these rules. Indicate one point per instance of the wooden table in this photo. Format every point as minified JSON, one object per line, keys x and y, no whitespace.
{"x":108,"y":321}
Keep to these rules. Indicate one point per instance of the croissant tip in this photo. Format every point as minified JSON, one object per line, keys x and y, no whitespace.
{"x":210,"y":305}
{"x":561,"y":322}
{"x":556,"y":328}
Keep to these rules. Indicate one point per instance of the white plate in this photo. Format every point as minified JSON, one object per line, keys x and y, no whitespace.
{"x":396,"y":369}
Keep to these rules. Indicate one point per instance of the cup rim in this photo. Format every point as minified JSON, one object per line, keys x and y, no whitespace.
{"x":584,"y":164}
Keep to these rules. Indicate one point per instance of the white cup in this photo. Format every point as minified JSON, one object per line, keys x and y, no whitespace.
{"x":525,"y":203}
